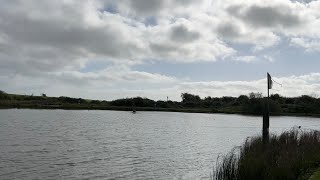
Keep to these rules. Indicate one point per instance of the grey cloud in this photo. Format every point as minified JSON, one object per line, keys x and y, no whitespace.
{"x":303,"y":1}
{"x":154,"y":7}
{"x":147,"y":6}
{"x":163,"y":49}
{"x":266,"y":16}
{"x":49,"y":36}
{"x":106,"y":40}
{"x":186,"y":2}
{"x":182,"y":34}
{"x":45,"y":41}
{"x":233,"y":31}
{"x":228,"y":30}
{"x":31,"y":59}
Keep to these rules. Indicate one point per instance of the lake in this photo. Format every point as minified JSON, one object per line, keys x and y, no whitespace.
{"x":81,"y":144}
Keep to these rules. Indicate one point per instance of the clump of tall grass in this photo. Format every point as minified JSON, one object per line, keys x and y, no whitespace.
{"x":292,"y":155}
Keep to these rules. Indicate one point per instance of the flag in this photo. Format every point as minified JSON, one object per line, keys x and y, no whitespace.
{"x":269,"y":81}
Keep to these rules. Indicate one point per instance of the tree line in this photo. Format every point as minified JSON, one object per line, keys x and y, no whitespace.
{"x":253,"y":103}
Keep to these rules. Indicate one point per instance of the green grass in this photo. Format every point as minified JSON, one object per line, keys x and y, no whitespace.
{"x":292,"y":155}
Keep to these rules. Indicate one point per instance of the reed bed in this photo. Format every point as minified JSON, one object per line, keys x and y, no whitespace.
{"x":292,"y":155}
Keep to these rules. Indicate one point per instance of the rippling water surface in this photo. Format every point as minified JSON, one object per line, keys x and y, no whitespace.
{"x":60,"y":144}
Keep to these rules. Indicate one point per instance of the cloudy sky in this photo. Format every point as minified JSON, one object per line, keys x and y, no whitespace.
{"x":157,"y":48}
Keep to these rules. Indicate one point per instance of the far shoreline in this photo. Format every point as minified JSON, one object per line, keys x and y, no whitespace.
{"x":126,"y":108}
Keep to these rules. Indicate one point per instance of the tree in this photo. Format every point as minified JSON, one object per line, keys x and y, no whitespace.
{"x":43,"y":95}
{"x":256,"y":95}
{"x":243,"y":99}
{"x":275,"y":97}
{"x":255,"y":104}
{"x":4,"y":95}
{"x":190,"y":100}
{"x":186,"y":97}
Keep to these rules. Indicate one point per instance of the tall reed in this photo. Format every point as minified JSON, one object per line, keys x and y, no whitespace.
{"x":292,"y":155}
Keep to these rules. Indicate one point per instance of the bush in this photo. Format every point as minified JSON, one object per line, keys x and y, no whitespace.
{"x":291,"y":155}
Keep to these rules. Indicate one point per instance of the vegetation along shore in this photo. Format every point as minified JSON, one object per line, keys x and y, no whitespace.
{"x":292,"y":155}
{"x":251,"y":104}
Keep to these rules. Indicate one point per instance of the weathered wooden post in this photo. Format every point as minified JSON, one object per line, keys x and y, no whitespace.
{"x":265,"y":125}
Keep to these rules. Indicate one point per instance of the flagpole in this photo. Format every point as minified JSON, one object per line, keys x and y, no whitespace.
{"x":268,"y":110}
{"x":265,"y":125}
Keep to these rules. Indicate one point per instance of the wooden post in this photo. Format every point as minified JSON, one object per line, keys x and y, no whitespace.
{"x":265,"y":125}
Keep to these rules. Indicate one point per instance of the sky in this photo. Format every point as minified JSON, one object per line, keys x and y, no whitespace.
{"x":104,"y":49}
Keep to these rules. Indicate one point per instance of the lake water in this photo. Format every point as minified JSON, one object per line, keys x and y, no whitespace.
{"x":80,"y":144}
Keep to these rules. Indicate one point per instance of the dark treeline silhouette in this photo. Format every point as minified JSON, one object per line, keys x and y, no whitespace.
{"x":253,"y":103}
{"x":145,"y":102}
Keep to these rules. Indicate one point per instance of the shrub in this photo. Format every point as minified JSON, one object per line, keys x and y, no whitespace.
{"x":291,"y":155}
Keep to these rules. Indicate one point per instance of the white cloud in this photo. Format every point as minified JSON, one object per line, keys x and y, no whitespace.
{"x":53,"y":35}
{"x":308,"y":44}
{"x":291,"y":86}
{"x":53,"y":41}
{"x":111,"y":85}
{"x":246,"y":59}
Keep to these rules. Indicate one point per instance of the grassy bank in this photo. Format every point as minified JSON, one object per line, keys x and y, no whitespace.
{"x":254,"y":104}
{"x":67,"y":106}
{"x":104,"y":107}
{"x":292,"y":155}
